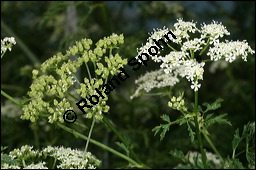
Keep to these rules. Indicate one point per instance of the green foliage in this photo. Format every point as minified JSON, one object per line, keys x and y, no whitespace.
{"x":122,"y":146}
{"x":164,"y":127}
{"x":210,"y":120}
{"x":215,"y":105}
{"x":248,"y":134}
{"x":6,"y":158}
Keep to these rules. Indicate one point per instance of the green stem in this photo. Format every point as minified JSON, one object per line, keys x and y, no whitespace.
{"x":209,"y":60}
{"x":3,"y":54}
{"x":54,"y":163}
{"x":74,"y":97}
{"x":88,"y":70}
{"x":89,"y":136}
{"x":35,"y":132}
{"x":23,"y":162}
{"x":75,"y":133}
{"x":233,"y":157}
{"x":172,"y":48}
{"x":10,"y":98}
{"x":213,"y":147}
{"x":109,"y":124}
{"x":198,"y":131}
{"x":207,"y":44}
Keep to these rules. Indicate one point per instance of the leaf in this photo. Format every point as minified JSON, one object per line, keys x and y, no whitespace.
{"x":191,"y":133}
{"x":122,"y":146}
{"x":3,"y":148}
{"x":7,"y":159}
{"x":208,"y":116}
{"x":249,"y":135}
{"x":250,"y":157}
{"x":177,"y":154}
{"x":165,"y":129}
{"x":199,"y":108}
{"x":233,"y":164}
{"x":156,"y":129}
{"x":209,"y":120}
{"x":236,"y":140}
{"x":215,"y":105}
{"x":166,"y":118}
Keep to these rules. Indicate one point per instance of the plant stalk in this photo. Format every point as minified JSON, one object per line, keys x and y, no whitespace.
{"x":198,"y":132}
{"x":89,"y":136}
{"x":75,"y":133}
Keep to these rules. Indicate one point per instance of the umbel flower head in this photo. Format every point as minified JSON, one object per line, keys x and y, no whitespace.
{"x":7,"y":43}
{"x":183,"y":59}
{"x":56,"y":89}
{"x":28,"y":158}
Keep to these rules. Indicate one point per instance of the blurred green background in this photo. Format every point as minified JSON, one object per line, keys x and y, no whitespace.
{"x":44,"y":28}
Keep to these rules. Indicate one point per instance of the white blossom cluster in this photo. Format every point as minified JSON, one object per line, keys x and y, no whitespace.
{"x":213,"y":31}
{"x":193,"y":158}
{"x":182,"y":60}
{"x":67,"y":158}
{"x":7,"y":43}
{"x":210,"y":157}
{"x":72,"y":158}
{"x":230,"y":50}
{"x":154,"y":79}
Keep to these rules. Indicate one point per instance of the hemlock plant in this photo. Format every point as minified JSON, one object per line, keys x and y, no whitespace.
{"x":57,"y":87}
{"x":186,"y":59}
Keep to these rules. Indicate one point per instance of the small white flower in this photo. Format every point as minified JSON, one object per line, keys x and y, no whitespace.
{"x":195,"y":86}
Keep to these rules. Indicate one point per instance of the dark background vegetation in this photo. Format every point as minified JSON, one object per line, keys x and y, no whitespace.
{"x":43,"y":28}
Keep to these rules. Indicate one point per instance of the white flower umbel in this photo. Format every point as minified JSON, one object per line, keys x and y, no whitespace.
{"x":72,"y":158}
{"x":213,"y":31}
{"x":230,"y":51}
{"x":185,"y":57}
{"x":192,"y":156}
{"x":182,"y":29}
{"x":6,"y":44}
{"x":154,"y":79}
{"x":28,"y":158}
